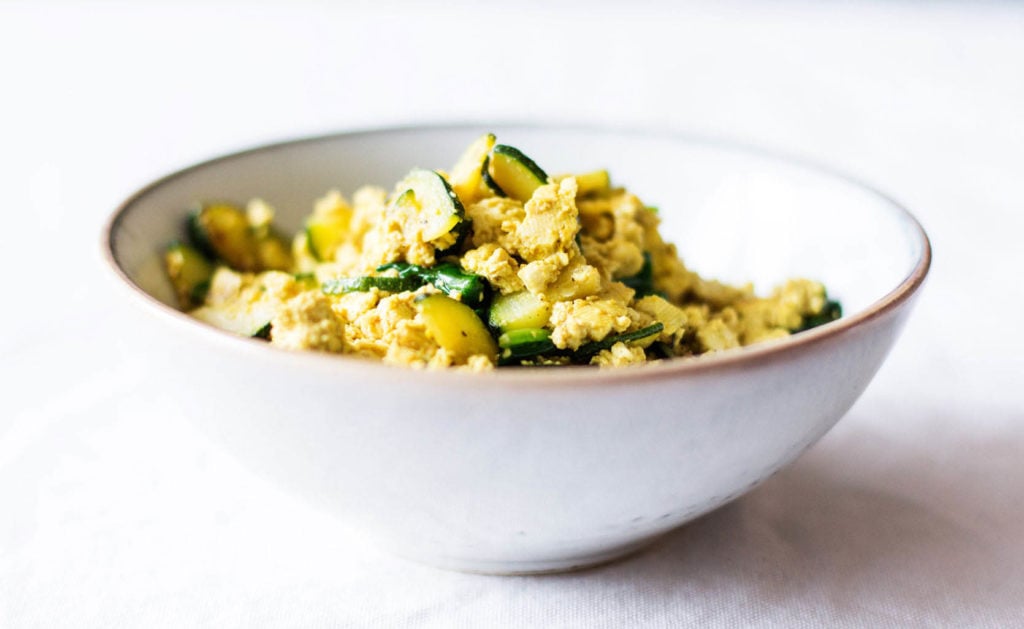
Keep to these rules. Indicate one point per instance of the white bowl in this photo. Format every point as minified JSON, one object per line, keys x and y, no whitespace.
{"x":521,"y":470}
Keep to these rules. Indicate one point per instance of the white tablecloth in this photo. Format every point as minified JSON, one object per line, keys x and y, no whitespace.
{"x":115,"y":513}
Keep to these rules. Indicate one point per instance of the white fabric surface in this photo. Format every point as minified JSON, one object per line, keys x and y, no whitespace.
{"x":114,"y":513}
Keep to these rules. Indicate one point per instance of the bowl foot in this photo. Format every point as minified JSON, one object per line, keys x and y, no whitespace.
{"x":499,"y":567}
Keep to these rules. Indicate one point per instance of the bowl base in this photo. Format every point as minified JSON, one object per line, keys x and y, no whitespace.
{"x":510,"y":568}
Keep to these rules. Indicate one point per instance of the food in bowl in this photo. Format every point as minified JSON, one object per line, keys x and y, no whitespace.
{"x":494,"y":264}
{"x":530,"y":470}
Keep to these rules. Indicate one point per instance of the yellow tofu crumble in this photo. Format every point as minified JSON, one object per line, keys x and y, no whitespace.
{"x":497,"y":264}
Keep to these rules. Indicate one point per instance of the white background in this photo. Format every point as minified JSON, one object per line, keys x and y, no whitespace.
{"x":116,"y":513}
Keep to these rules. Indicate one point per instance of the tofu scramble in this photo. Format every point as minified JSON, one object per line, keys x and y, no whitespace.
{"x":492,"y":264}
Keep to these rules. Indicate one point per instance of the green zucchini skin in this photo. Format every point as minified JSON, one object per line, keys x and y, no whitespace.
{"x":525,"y":343}
{"x":198,"y":293}
{"x":198,"y":236}
{"x":643,"y":281}
{"x":587,"y":351}
{"x":489,"y":181}
{"x":831,"y":311}
{"x":189,"y":272}
{"x":518,"y":310}
{"x":529,"y":345}
{"x":515,"y":173}
{"x":433,"y":201}
{"x":517,"y":155}
{"x":254,"y":324}
{"x":364,"y":283}
{"x":449,"y":278}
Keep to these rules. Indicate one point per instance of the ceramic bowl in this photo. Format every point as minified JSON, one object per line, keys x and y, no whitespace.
{"x":520,"y":470}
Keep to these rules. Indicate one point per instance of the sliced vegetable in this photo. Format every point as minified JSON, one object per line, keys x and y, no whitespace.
{"x":328,"y":226}
{"x":467,"y":175}
{"x":489,"y":182}
{"x":361,"y":284}
{"x":519,"y":310}
{"x":404,"y":269}
{"x":525,"y":343}
{"x":431,"y":203}
{"x":456,"y":328}
{"x":449,"y":278}
{"x":253,"y":321}
{"x":587,"y":351}
{"x":189,"y":273}
{"x":831,"y":311}
{"x":273,"y":253}
{"x":593,"y":183}
{"x":263,"y":333}
{"x":516,"y":174}
{"x":221,"y":231}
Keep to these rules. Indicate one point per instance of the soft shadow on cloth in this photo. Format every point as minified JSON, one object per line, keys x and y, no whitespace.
{"x":868,"y":520}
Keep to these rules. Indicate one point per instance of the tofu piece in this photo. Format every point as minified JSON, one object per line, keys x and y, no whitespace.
{"x":619,"y":355}
{"x":549,"y":224}
{"x":308,"y":322}
{"x":496,"y":265}
{"x":580,"y":320}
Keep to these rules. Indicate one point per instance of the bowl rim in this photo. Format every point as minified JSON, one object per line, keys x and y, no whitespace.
{"x":533,"y":378}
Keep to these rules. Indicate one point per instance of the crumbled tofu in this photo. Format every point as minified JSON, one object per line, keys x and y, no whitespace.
{"x":540,"y":274}
{"x":580,"y":320}
{"x":589,"y":268}
{"x":550,"y":222}
{"x":494,"y":220}
{"x":308,"y":322}
{"x":615,"y":258}
{"x":495,"y":264}
{"x":620,"y":355}
{"x":717,"y":335}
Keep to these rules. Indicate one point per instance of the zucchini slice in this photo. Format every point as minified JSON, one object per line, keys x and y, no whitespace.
{"x":519,"y":310}
{"x":587,"y":351}
{"x":364,"y":283}
{"x":467,"y":175}
{"x":273,"y":253}
{"x":516,"y":174}
{"x":448,"y":277}
{"x":221,"y":231}
{"x":189,"y":273}
{"x":430,"y":203}
{"x":322,"y":238}
{"x":485,"y":174}
{"x":593,"y":182}
{"x":252,"y":321}
{"x":324,"y":233}
{"x":525,"y":343}
{"x":831,"y":311}
{"x":456,"y":328}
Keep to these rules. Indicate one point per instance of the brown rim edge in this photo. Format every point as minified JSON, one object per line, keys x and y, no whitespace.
{"x":545,"y":377}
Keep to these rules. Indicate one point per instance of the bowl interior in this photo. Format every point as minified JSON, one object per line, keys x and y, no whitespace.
{"x":736,"y":215}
